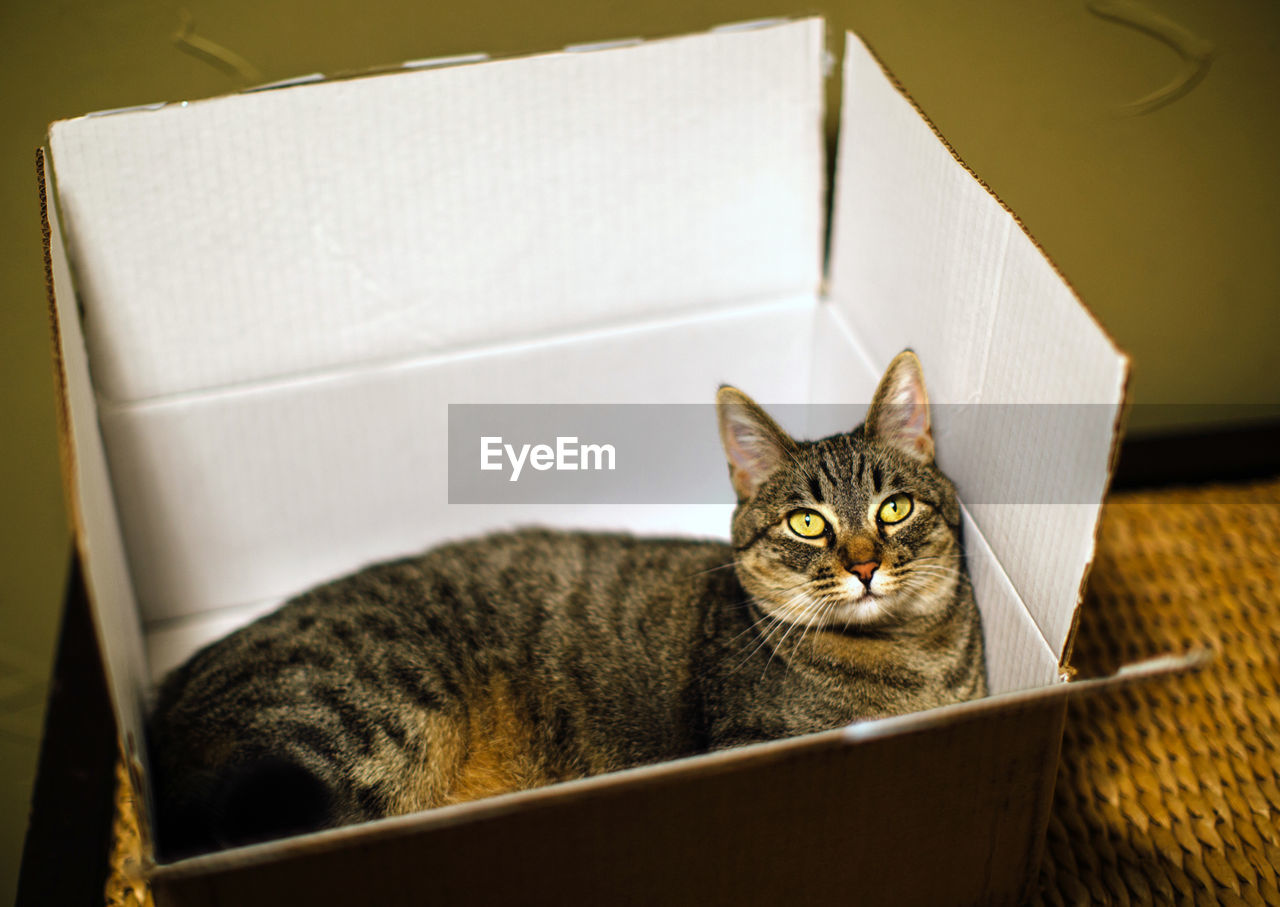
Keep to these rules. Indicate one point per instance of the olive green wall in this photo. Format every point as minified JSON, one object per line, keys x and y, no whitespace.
{"x":1166,"y":222}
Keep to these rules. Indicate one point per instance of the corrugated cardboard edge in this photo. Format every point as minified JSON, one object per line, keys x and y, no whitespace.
{"x":460,"y":59}
{"x":66,"y":453}
{"x":1117,"y":433}
{"x":1064,"y":662}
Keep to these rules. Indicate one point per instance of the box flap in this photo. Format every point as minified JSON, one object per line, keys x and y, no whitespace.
{"x":90,"y":502}
{"x":291,"y":230}
{"x":1157,"y":666}
{"x":900,"y":825}
{"x":1027,"y":387}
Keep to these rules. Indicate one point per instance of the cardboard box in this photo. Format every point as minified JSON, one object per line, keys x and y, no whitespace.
{"x":266,"y":303}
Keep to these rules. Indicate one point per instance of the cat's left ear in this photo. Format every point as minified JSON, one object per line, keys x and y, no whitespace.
{"x":899,"y":413}
{"x":754,"y":444}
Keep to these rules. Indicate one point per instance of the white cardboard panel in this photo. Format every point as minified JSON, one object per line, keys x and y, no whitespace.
{"x":293,"y":230}
{"x":1066,"y":403}
{"x":256,"y":494}
{"x":171,"y":642}
{"x":1017,"y":656}
{"x":98,"y":537}
{"x":917,"y":243}
{"x":923,"y":256}
{"x":841,"y":369}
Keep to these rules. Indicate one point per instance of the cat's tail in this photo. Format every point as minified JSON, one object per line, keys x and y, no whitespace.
{"x":251,"y":799}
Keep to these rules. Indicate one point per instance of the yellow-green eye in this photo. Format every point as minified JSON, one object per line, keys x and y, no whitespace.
{"x":896,"y":509}
{"x":807,"y":524}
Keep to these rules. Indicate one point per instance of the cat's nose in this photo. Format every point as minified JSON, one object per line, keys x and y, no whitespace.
{"x":865,"y":571}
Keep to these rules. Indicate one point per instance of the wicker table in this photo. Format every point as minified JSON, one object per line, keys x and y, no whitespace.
{"x":1170,"y":791}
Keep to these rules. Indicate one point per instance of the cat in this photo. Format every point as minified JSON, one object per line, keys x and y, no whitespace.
{"x":520,"y":659}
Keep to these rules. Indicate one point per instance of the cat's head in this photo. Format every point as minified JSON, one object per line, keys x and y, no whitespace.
{"x":858,"y":530}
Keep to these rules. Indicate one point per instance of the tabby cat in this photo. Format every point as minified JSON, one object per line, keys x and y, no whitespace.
{"x":521,"y":659}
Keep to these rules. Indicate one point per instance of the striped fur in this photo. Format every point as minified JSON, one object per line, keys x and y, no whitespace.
{"x":522,"y":659}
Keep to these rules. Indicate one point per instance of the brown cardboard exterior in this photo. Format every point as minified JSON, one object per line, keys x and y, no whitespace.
{"x":937,"y":815}
{"x":945,"y":807}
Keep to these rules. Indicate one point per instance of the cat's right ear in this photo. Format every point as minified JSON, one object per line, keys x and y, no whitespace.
{"x":899,"y":414}
{"x":753,"y":443}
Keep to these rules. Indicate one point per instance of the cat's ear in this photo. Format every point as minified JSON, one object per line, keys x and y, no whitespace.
{"x":899,"y":413}
{"x":754,"y":444}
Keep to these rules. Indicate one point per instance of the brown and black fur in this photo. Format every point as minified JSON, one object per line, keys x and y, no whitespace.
{"x":517,"y":660}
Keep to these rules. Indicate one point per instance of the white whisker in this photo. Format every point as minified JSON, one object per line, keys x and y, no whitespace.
{"x":713,"y":569}
{"x":825,"y":607}
{"x":931,"y":571}
{"x":796,"y":602}
{"x":804,"y":595}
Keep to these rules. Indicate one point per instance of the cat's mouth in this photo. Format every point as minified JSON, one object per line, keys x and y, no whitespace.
{"x":857,"y":592}
{"x":861,"y":603}
{"x":862,"y":611}
{"x":846,"y":606}
{"x":861,"y":608}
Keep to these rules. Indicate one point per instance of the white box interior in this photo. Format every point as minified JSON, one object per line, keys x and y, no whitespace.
{"x":282,"y":292}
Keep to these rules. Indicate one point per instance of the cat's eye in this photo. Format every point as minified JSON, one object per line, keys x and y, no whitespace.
{"x":896,"y":509}
{"x":807,"y":524}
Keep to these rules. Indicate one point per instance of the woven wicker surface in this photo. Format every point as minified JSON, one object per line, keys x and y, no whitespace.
{"x":126,"y":886}
{"x":1168,"y":791}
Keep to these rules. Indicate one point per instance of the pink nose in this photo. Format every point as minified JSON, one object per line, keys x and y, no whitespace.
{"x":865,"y":571}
